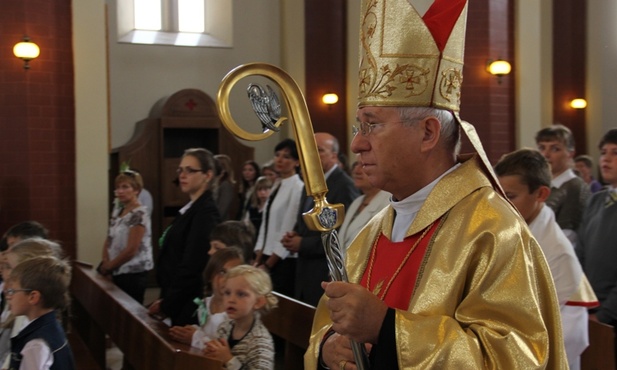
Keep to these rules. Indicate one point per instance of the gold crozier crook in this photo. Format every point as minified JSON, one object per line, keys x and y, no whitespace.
{"x":323,"y":217}
{"x":312,"y":172}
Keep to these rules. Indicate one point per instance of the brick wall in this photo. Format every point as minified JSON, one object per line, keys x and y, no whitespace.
{"x":485,"y":103}
{"x":37,"y":119}
{"x":569,"y":67}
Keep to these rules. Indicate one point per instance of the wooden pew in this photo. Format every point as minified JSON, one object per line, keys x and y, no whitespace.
{"x":100,"y":308}
{"x":600,"y":355}
{"x":292,"y":321}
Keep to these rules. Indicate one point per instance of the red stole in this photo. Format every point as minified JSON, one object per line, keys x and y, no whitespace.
{"x":387,"y":258}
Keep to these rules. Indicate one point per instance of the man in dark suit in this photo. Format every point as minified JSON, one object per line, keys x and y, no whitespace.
{"x":312,"y":267}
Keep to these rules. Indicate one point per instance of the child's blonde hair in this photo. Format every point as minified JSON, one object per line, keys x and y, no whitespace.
{"x":34,"y":247}
{"x":48,"y":275}
{"x":259,"y":281}
{"x":28,"y":249}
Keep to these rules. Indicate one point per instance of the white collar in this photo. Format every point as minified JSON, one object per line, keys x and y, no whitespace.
{"x":186,"y":207}
{"x":562,"y":178}
{"x":408,"y":208}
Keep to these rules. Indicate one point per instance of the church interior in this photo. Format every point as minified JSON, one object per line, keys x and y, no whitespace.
{"x":99,"y":95}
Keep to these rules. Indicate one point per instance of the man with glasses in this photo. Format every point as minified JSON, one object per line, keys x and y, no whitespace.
{"x":448,"y":276}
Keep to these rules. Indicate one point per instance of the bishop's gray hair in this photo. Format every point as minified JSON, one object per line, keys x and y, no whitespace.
{"x":450,"y":131}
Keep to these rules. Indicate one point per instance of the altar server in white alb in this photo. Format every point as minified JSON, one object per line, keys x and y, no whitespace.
{"x":525,"y":177}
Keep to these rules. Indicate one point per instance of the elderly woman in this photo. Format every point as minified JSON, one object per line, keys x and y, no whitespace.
{"x":127,"y":251}
{"x":363,"y":208}
{"x":185,"y":243}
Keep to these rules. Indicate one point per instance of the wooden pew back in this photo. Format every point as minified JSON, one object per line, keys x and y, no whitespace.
{"x":102,"y":308}
{"x":600,"y":355}
{"x":292,"y":321}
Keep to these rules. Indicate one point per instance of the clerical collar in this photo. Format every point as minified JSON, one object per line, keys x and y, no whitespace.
{"x":408,"y":208}
{"x":562,"y":178}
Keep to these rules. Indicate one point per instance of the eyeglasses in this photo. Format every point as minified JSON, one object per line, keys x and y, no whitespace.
{"x":366,"y":128}
{"x":9,"y":292}
{"x":188,"y":170}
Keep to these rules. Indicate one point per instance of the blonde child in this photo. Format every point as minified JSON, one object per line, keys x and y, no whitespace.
{"x":23,"y":250}
{"x":37,"y":287}
{"x":243,"y":340}
{"x":211,"y":311}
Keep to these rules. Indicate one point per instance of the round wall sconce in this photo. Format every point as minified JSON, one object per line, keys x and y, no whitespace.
{"x":26,"y":51}
{"x":329,"y":98}
{"x":578,"y":103}
{"x":498,"y":68}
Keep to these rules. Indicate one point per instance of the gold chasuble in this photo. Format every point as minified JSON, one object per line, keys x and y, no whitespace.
{"x":473,"y":294}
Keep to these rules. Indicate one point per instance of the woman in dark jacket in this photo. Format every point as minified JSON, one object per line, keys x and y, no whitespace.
{"x":185,"y":243}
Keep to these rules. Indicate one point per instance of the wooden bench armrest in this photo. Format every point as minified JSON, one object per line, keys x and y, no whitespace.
{"x":143,"y":340}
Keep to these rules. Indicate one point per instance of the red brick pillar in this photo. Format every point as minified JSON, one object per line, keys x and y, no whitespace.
{"x":326,"y":65}
{"x":37,"y":120}
{"x":569,"y":66}
{"x":486,"y":103}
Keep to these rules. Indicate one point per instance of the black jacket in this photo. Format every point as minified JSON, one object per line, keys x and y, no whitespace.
{"x":183,"y":257}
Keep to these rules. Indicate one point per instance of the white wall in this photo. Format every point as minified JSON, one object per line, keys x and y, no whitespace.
{"x":533,"y":65}
{"x":141,"y":75}
{"x":91,"y":127}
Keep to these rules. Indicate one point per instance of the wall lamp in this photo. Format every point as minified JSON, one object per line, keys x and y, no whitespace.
{"x":26,"y":50}
{"x":578,"y":103}
{"x":329,"y":98}
{"x":498,"y":68}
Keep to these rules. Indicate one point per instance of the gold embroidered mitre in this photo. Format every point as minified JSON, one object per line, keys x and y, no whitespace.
{"x":402,"y":63}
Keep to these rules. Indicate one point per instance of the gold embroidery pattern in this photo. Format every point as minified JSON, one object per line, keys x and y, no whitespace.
{"x":377,"y":288}
{"x":450,"y":85}
{"x":382,"y":81}
{"x":397,"y":69}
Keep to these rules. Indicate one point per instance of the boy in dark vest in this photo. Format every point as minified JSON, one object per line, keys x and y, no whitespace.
{"x":36,"y":288}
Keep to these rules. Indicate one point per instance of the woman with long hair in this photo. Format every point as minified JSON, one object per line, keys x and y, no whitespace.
{"x":225,"y":183}
{"x":250,"y":173}
{"x":184,"y":244}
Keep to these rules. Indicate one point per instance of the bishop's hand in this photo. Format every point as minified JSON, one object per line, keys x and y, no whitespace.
{"x":355,"y":312}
